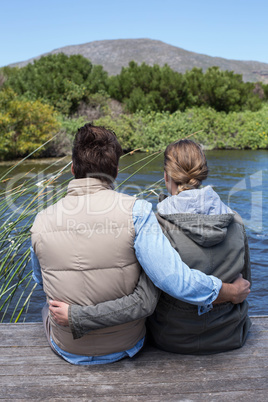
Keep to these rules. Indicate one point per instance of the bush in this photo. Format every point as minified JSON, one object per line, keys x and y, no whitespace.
{"x":154,"y":131}
{"x":70,"y":83}
{"x":24,"y":125}
{"x":128,"y":129}
{"x":222,"y":90}
{"x":62,"y":81}
{"x":149,"y":88}
{"x":146,"y":88}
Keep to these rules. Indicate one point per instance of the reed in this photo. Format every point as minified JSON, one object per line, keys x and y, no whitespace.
{"x":22,"y":199}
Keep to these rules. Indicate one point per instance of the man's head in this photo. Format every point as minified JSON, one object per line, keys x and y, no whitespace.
{"x":96,"y":153}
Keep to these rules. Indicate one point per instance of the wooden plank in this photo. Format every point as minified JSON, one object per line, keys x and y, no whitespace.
{"x":163,"y":389}
{"x":30,"y":370}
{"x":168,"y":376}
{"x":242,"y":396}
{"x":257,"y":396}
{"x":52,"y":364}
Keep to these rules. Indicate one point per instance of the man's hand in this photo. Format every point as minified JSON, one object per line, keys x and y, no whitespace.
{"x":59,"y":311}
{"x":235,"y":292}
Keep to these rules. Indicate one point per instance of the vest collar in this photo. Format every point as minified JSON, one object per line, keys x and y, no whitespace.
{"x":86,"y":186}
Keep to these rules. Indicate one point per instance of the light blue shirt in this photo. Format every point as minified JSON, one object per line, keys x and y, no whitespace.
{"x":91,"y":360}
{"x":164,"y":267}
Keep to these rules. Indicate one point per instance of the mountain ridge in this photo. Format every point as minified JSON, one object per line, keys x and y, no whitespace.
{"x":117,"y":53}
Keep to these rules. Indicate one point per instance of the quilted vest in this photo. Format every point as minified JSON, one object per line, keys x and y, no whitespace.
{"x":85,"y":247}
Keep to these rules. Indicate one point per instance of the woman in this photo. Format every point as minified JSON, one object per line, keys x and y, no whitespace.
{"x":210,"y":237}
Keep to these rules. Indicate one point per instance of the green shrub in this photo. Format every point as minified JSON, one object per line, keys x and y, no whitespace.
{"x":154,"y":131}
{"x":160,"y":89}
{"x":24,"y":125}
{"x":128,"y":129}
{"x":60,"y":80}
{"x":149,"y":88}
{"x":222,"y":90}
{"x":70,"y":125}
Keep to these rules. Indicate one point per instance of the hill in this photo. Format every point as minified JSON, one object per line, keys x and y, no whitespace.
{"x":115,"y":54}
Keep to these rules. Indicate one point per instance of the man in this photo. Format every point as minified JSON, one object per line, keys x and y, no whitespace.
{"x":91,"y":245}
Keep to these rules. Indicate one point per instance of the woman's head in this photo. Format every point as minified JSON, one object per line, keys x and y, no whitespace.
{"x":185,"y":166}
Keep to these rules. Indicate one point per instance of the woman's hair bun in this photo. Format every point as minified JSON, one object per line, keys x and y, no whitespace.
{"x":186,"y":164}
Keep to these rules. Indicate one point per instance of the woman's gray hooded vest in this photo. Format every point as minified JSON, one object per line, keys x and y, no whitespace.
{"x":209,"y":237}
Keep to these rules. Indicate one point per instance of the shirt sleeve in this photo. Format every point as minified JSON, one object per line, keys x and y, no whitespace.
{"x":37,"y":275}
{"x":163,"y":264}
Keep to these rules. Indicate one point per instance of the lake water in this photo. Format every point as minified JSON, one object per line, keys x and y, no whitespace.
{"x":239,"y":177}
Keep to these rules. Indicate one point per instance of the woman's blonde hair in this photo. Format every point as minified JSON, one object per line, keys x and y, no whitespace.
{"x":186,"y":164}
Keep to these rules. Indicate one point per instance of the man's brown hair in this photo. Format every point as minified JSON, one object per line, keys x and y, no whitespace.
{"x":96,"y":153}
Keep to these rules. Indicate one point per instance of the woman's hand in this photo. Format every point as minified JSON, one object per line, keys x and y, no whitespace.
{"x":59,"y":312}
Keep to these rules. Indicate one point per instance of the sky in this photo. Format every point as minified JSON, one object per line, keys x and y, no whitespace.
{"x":232,"y":29}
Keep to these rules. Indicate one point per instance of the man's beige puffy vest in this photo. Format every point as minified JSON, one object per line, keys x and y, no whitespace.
{"x":84,"y":244}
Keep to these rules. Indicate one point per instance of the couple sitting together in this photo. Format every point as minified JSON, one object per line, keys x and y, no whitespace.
{"x":107,"y":262}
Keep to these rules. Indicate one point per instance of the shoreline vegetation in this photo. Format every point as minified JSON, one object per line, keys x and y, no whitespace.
{"x":147,"y":107}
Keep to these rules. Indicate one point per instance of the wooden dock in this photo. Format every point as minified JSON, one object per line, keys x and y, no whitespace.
{"x":30,"y":370}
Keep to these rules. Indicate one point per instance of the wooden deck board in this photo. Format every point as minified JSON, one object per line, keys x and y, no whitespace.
{"x":30,"y":370}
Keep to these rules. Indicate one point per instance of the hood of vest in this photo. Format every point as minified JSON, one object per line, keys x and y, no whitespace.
{"x":199,"y":213}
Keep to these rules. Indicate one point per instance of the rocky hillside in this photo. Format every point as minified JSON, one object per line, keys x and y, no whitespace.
{"x":114,"y":54}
